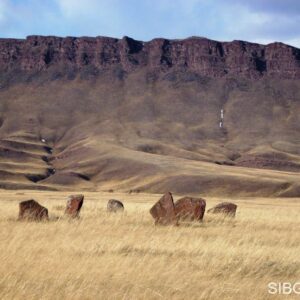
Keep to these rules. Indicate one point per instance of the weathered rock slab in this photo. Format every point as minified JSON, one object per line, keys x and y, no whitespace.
{"x":191,"y":209}
{"x":33,"y":211}
{"x":114,"y":205}
{"x":226,"y":208}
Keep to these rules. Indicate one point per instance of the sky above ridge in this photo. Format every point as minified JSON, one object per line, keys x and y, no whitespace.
{"x":262,"y":21}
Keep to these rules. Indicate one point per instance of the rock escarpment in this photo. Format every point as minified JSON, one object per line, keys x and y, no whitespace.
{"x":203,"y":56}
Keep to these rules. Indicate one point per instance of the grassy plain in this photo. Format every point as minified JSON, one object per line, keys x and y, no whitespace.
{"x":124,"y":256}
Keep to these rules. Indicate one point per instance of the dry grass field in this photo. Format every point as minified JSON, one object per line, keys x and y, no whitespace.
{"x":124,"y":256}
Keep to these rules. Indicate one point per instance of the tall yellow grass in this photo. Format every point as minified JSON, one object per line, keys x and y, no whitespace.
{"x":124,"y":256}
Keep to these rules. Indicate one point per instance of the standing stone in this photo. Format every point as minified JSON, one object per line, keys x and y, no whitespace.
{"x":74,"y":205}
{"x":225,"y":208}
{"x":32,"y":211}
{"x":163,"y":211}
{"x":115,"y":206}
{"x":191,"y":209}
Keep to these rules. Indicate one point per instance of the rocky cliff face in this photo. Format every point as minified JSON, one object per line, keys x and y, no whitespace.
{"x":203,"y":56}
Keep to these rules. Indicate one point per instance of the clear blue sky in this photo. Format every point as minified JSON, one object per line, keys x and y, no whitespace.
{"x":261,"y":21}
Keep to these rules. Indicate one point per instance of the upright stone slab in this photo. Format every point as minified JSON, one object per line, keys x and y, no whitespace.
{"x":74,"y":205}
{"x":163,"y":210}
